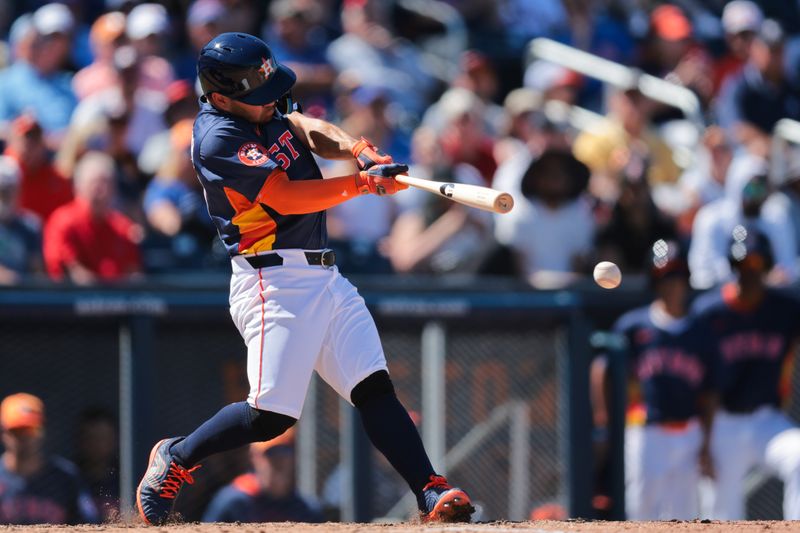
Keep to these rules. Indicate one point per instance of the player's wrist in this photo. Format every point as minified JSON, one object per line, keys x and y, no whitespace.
{"x":368,"y":155}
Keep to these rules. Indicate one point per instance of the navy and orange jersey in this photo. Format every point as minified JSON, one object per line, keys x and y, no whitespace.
{"x":53,"y":495}
{"x":245,"y":501}
{"x":666,"y":371}
{"x":752,"y":347}
{"x":233,"y":159}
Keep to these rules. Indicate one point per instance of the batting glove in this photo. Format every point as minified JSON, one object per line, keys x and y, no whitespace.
{"x":368,"y":155}
{"x":379,"y":179}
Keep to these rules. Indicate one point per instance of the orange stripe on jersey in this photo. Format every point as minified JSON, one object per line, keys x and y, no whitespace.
{"x":787,"y":372}
{"x":256,"y":228}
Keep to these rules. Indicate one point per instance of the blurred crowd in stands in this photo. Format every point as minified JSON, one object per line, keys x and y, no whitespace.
{"x":97,"y":99}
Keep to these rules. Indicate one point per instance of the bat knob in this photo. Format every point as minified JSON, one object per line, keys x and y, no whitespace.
{"x":504,"y":203}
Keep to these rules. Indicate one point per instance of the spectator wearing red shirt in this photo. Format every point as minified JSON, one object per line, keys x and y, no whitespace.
{"x":87,"y":241}
{"x":42,"y":187}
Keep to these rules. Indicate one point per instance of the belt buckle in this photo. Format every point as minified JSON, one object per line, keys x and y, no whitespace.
{"x":328,"y":259}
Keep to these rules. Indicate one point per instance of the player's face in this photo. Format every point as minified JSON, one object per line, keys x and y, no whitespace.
{"x":257,"y":114}
{"x":23,"y":442}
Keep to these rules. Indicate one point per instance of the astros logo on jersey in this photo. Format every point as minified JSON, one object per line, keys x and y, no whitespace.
{"x":252,"y":154}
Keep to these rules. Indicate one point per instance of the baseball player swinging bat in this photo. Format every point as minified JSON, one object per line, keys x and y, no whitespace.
{"x":484,"y":198}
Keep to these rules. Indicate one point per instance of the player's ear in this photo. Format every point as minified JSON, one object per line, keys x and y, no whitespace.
{"x":219,"y":100}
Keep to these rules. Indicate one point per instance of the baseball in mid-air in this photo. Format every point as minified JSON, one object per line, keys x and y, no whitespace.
{"x":607,"y":275}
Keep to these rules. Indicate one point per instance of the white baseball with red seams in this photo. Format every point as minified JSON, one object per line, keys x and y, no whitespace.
{"x":607,"y":275}
{"x":297,"y":318}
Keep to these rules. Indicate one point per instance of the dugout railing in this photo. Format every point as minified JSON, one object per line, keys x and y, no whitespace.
{"x":496,"y":371}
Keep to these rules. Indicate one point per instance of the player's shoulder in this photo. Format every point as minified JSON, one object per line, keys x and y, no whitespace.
{"x":781,"y":299}
{"x":66,"y":470}
{"x":707,"y":302}
{"x":214,"y":131}
{"x":632,"y":319}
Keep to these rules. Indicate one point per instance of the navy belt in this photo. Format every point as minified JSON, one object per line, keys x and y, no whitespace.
{"x":326,"y":258}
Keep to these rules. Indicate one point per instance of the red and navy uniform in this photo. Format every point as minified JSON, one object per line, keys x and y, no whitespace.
{"x":54,"y":495}
{"x":233,"y":159}
{"x":752,"y":346}
{"x":245,"y":501}
{"x":665,"y":366}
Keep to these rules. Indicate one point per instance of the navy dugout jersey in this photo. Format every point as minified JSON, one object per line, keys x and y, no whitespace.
{"x":54,"y":495}
{"x":752,"y":349}
{"x":665,"y":366}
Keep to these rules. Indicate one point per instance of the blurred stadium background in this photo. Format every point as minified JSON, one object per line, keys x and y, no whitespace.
{"x":628,"y":102}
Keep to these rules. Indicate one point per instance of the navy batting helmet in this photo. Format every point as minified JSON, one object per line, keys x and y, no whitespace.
{"x":667,"y":259}
{"x":749,"y":246}
{"x":242,"y":67}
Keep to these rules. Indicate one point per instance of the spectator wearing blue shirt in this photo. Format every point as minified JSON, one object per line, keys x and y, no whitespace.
{"x":267,"y":494}
{"x":20,"y":231}
{"x":297,"y":37}
{"x":173,"y":204}
{"x":38,"y":84}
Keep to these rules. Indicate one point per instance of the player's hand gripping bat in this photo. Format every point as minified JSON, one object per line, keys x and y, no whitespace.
{"x":472,"y":195}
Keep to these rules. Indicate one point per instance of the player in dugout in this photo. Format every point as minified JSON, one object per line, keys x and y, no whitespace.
{"x":669,"y":402}
{"x":35,"y":488}
{"x":268,"y":493}
{"x":253,"y":151}
{"x":751,"y":333}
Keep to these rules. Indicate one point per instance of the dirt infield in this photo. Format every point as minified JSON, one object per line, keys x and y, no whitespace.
{"x":491,"y":527}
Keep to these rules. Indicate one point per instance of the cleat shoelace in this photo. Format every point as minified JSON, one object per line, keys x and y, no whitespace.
{"x":439,"y":482}
{"x":176,"y":477}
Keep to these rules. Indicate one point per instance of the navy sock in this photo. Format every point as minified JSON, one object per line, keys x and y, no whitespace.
{"x":394,"y":434}
{"x":234,"y":425}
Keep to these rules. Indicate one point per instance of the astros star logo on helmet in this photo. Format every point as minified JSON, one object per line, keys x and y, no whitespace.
{"x":267,"y":68}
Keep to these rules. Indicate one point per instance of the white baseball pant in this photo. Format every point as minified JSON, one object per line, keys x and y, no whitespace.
{"x":662,"y":472}
{"x":765,"y":438}
{"x":297,"y":318}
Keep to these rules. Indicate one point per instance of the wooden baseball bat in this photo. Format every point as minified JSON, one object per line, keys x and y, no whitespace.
{"x":484,"y":198}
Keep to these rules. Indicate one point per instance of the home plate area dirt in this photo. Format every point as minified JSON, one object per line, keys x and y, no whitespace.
{"x":547,"y":526}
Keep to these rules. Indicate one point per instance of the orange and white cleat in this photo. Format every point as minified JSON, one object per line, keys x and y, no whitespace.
{"x":445,"y":503}
{"x":161,"y":483}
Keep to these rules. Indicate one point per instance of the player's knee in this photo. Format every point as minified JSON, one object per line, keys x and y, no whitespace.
{"x":373,"y":386}
{"x":268,"y":425}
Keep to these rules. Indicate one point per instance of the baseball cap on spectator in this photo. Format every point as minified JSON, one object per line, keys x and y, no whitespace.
{"x":771,"y":33}
{"x":543,"y":76}
{"x":741,"y":15}
{"x":9,"y":172}
{"x":145,"y":20}
{"x":53,"y":18}
{"x":22,"y":411}
{"x":21,"y":26}
{"x":282,"y":442}
{"x":669,"y":23}
{"x":107,"y":28}
{"x":522,"y":100}
{"x":24,"y":124}
{"x":457,"y":102}
{"x":367,"y":94}
{"x":179,"y":90}
{"x":204,"y":12}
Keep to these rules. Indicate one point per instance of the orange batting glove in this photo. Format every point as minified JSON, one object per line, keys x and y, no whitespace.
{"x":379,"y":179}
{"x":368,"y":155}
